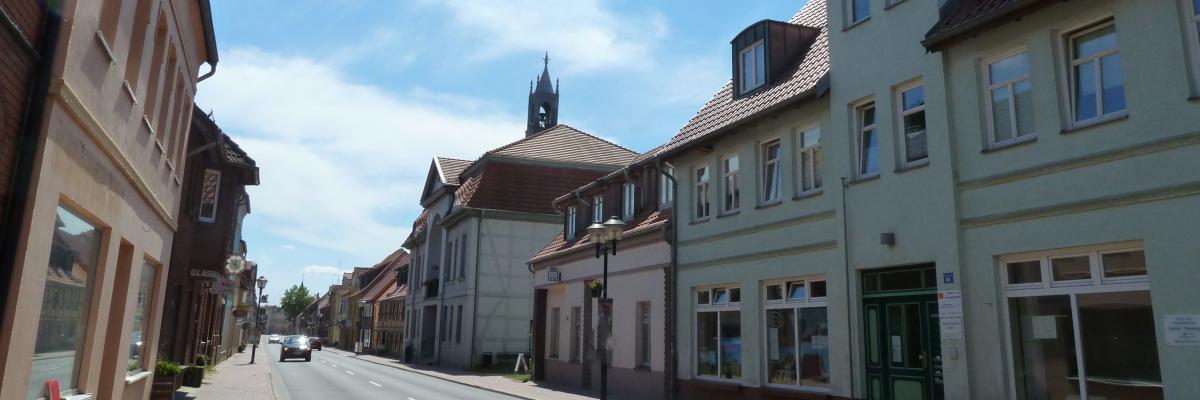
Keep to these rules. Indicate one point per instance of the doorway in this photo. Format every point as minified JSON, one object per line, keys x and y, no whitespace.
{"x":902,"y":339}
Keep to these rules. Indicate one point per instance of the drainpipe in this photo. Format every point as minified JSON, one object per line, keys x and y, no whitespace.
{"x":846,"y":260}
{"x":27,"y":148}
{"x":671,"y":361}
{"x":475,"y":298}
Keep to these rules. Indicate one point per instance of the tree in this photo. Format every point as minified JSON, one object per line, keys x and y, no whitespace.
{"x":294,"y":301}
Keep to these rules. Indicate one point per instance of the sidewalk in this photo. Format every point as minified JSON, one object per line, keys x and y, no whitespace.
{"x":235,"y":379}
{"x":491,"y":382}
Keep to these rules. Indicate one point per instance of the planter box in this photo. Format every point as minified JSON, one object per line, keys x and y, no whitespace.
{"x":193,"y":376}
{"x":165,"y":386}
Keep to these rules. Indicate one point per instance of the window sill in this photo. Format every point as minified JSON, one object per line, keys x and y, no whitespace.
{"x":729,"y":213}
{"x":912,"y":166}
{"x":770,"y":204}
{"x":129,"y":91}
{"x":855,"y":24}
{"x":808,"y":194}
{"x":112,"y":59}
{"x":149,"y":127}
{"x":1009,"y":144}
{"x":81,"y":396}
{"x":131,"y":379}
{"x":863,"y":179}
{"x":699,"y":221}
{"x":1098,"y":122}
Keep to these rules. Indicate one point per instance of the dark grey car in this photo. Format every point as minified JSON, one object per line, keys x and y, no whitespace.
{"x":295,"y":346}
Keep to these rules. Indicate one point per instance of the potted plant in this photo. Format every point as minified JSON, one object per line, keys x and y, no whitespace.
{"x":193,"y":376}
{"x":167,"y":378}
{"x":596,"y":288}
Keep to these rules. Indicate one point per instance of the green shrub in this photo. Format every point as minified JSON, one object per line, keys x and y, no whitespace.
{"x":166,"y":368}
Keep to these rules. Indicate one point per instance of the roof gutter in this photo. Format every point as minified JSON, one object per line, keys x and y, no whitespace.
{"x":210,"y":40}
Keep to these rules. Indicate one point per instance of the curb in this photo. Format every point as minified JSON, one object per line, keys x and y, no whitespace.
{"x":416,"y":371}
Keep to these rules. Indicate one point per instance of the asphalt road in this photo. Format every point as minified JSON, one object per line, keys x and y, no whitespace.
{"x":332,"y":376}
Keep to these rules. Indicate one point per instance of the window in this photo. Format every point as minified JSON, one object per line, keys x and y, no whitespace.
{"x":554,"y":332}
{"x":445,"y":322}
{"x":643,"y":334}
{"x":868,"y":141}
{"x":772,"y":177}
{"x":912,"y":122}
{"x":1194,"y":18}
{"x":859,"y":10}
{"x":74,"y":252}
{"x":458,"y":326}
{"x":718,"y":336}
{"x":576,"y":331}
{"x":1010,"y":102}
{"x":702,"y":209}
{"x":629,"y":201}
{"x":1097,"y":88}
{"x":797,"y":334}
{"x":462,"y":256}
{"x":449,"y":261}
{"x":209,"y":191}
{"x":1088,"y":328}
{"x":571,"y":214}
{"x":598,"y":208}
{"x":731,"y":191}
{"x":666,"y":191}
{"x":810,"y":160}
{"x":753,"y":66}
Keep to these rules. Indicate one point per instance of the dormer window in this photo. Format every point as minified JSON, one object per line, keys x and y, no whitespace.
{"x":753,"y":66}
{"x":571,"y":223}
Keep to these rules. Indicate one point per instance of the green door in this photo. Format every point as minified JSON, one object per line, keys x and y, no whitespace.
{"x":903,"y":345}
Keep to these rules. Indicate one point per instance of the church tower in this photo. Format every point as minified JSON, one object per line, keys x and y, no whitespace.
{"x":543,"y":102}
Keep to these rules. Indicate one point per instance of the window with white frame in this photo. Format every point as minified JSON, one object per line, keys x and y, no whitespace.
{"x":571,"y":214}
{"x":913,"y":149}
{"x":809,"y":161}
{"x":731,"y":190}
{"x":772,"y":174}
{"x":666,"y":191}
{"x":701,"y":193}
{"x":866,"y":142}
{"x":209,"y":192}
{"x":643,"y":334}
{"x":1009,"y":99}
{"x":753,"y":66}
{"x":797,"y":333}
{"x":598,"y":208}
{"x":719,"y":332}
{"x":858,"y":10}
{"x":1064,"y":304}
{"x":554,"y":332}
{"x":1097,"y":87}
{"x":628,"y":201}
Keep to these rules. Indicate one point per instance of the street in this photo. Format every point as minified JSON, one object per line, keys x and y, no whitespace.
{"x":330,"y":376}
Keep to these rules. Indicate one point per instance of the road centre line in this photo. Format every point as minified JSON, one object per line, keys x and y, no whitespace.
{"x":373,"y":383}
{"x":350,"y":372}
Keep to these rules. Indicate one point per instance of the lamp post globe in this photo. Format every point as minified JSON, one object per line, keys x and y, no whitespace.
{"x":615,"y":229}
{"x":597,"y":233}
{"x":262,"y":282}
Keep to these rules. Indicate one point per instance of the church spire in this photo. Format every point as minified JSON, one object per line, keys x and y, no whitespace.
{"x":543,"y":102}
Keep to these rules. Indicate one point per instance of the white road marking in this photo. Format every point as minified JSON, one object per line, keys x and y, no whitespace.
{"x":350,"y":372}
{"x":334,"y":365}
{"x":373,"y":383}
{"x":410,"y":398}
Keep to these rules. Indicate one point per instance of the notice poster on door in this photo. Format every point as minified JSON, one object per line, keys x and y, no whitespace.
{"x":951,"y":327}
{"x":950,"y":303}
{"x":1182,"y":329}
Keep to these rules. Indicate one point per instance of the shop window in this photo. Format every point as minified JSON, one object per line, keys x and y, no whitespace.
{"x":74,"y":251}
{"x":136,"y":363}
{"x":797,"y":337}
{"x":719,"y":341}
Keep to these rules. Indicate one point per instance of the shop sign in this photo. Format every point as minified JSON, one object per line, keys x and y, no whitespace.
{"x":205,"y":274}
{"x":552,"y":275}
{"x":1182,"y":329}
{"x":222,"y":285}
{"x":235,"y":264}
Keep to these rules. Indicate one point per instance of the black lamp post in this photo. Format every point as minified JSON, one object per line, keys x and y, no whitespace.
{"x":262,"y":283}
{"x":605,"y":237}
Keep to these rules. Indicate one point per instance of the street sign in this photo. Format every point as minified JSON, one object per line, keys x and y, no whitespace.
{"x":552,"y":275}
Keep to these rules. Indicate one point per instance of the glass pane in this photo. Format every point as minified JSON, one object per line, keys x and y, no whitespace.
{"x":1112,"y":84}
{"x":816,"y":166}
{"x":1196,"y":7}
{"x":814,"y":347}
{"x":870,"y":153}
{"x":731,"y":164}
{"x":1131,"y":263}
{"x":806,"y":176}
{"x":781,"y":347}
{"x":770,"y":183}
{"x":1024,"y":272}
{"x":141,"y":321}
{"x":720,"y":296}
{"x":817,"y":289}
{"x":1119,"y":347}
{"x":914,"y":137}
{"x":811,"y":137}
{"x":775,"y":292}
{"x":901,"y":280}
{"x":73,"y":253}
{"x":731,"y":344}
{"x":1096,"y":41}
{"x":868,"y":115}
{"x":706,"y":343}
{"x":796,"y":290}
{"x":1024,"y":104}
{"x":747,"y":71}
{"x":913,"y":98}
{"x":1071,"y":268}
{"x":1002,"y":114}
{"x":702,"y":297}
{"x":1008,"y":68}
{"x":1085,"y":91}
{"x":760,"y":64}
{"x":904,"y":335}
{"x":1043,"y":348}
{"x":872,"y":335}
{"x":735,"y":295}
{"x":861,"y":10}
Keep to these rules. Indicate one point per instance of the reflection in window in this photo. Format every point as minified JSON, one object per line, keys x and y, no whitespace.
{"x":1099,"y":89}
{"x":73,"y":255}
{"x":141,"y":320}
{"x":1011,"y":100}
{"x":868,"y":146}
{"x":208,"y":195}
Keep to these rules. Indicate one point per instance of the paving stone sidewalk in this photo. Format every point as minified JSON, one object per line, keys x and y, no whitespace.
{"x":236,"y":379}
{"x":492,"y":382}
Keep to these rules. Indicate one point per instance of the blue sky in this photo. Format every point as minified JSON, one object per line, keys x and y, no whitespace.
{"x":344,"y":103}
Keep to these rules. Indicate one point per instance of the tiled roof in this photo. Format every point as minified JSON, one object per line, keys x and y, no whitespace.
{"x":962,"y":16}
{"x":559,"y":245}
{"x":417,"y":228}
{"x":565,"y":144}
{"x":395,"y":292}
{"x":639,"y":160}
{"x":450,"y":168}
{"x":723,"y":111}
{"x":234,"y":154}
{"x":521,"y":187}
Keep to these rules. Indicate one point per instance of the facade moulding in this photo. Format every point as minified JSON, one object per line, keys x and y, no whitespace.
{"x":1099,"y":203}
{"x":803,"y":219}
{"x":786,"y":251}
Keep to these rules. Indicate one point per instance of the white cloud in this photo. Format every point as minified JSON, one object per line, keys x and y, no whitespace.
{"x":338,"y":158}
{"x":322,"y":270}
{"x":582,"y":34}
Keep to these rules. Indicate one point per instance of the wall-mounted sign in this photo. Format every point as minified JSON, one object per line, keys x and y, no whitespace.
{"x":222,"y":285}
{"x":552,"y":275}
{"x":235,"y":264}
{"x":1182,"y":329}
{"x":948,"y":277}
{"x":204,"y":274}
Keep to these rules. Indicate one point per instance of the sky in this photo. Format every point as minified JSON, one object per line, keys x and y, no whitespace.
{"x":343,"y":103}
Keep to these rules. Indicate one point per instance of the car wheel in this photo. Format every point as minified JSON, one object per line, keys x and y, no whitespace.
{"x":281,"y":358}
{"x":308,"y":359}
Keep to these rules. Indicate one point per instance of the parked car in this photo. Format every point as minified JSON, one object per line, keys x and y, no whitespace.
{"x":295,"y":346}
{"x":315,"y":343}
{"x":273,"y":339}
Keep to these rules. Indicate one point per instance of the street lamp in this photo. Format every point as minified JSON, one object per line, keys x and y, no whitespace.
{"x":605,"y":236}
{"x":262,"y":283}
